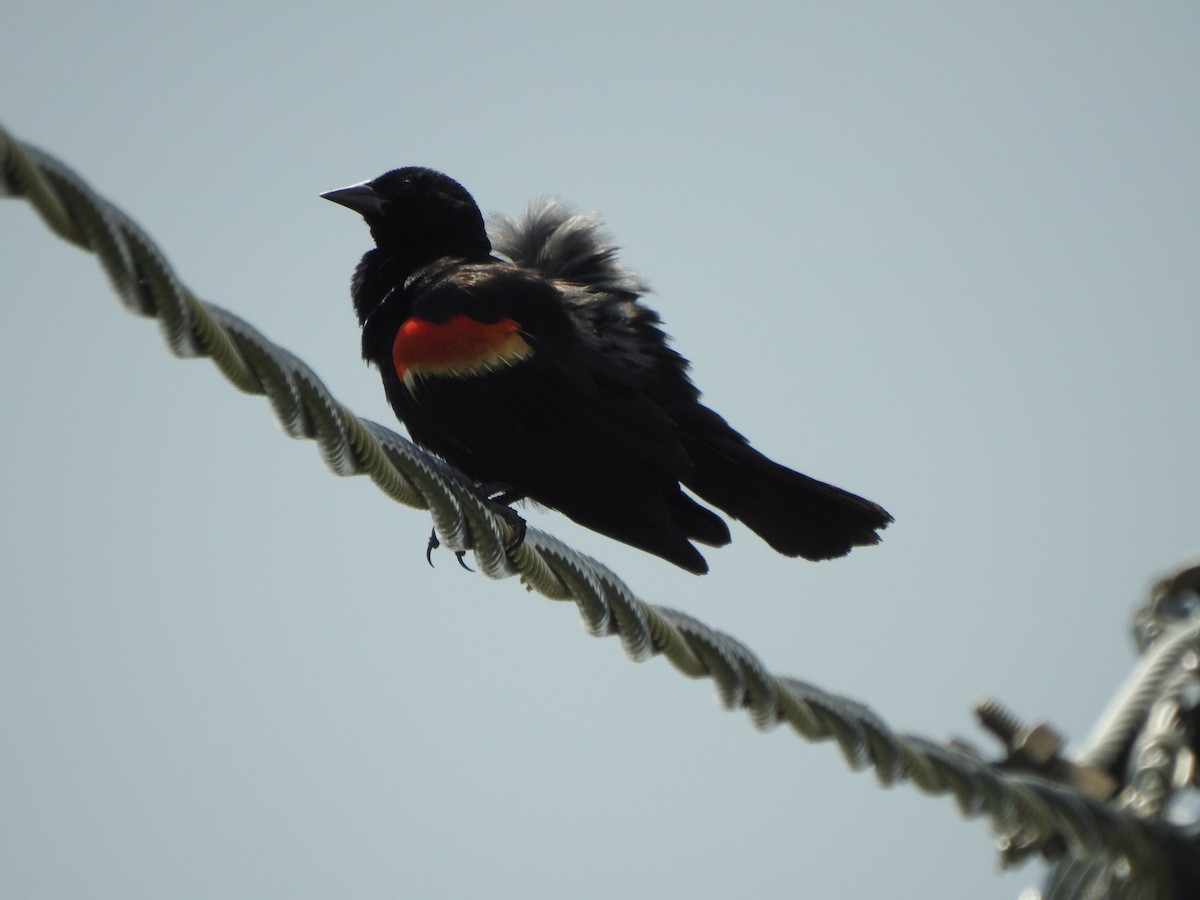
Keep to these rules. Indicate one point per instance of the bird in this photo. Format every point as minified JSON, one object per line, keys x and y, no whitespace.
{"x":526,"y":358}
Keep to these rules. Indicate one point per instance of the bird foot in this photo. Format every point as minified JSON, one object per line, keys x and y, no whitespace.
{"x":514,"y":521}
{"x":499,"y":498}
{"x":434,"y":543}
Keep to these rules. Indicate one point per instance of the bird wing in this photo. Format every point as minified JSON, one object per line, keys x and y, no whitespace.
{"x":567,"y":422}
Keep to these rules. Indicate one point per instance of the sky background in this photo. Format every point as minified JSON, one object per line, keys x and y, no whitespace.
{"x":943,"y":255}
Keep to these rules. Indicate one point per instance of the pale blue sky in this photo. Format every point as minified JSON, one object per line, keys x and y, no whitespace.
{"x":943,"y":255}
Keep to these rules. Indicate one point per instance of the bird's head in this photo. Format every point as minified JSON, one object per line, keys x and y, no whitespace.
{"x":419,"y":212}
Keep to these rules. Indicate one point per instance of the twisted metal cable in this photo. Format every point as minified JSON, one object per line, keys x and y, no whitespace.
{"x":147,"y":286}
{"x":1150,"y":679}
{"x":1154,"y":759}
{"x":1156,"y":747}
{"x":1146,"y":726}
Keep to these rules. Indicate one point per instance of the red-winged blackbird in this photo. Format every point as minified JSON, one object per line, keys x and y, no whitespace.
{"x":543,"y":376}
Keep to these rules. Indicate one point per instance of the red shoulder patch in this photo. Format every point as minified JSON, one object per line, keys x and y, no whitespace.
{"x":459,"y":347}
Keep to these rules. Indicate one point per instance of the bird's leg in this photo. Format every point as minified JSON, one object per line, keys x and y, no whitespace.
{"x":497,"y":492}
{"x":499,"y":498}
{"x":515,"y":522}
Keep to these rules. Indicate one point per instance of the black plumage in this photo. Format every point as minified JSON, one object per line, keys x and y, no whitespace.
{"x":543,"y":374}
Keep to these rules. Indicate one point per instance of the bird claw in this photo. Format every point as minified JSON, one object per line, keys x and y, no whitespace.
{"x":434,"y":543}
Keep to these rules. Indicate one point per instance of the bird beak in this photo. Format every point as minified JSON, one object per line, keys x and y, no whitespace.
{"x":359,"y":197}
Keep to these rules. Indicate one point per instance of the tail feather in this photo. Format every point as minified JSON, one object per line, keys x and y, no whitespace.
{"x":699,"y":523}
{"x":795,"y":514}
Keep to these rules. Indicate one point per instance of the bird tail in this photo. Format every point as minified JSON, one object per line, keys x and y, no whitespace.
{"x":795,"y":514}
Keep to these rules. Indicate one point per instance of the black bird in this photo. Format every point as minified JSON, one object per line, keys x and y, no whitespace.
{"x":543,"y":376}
